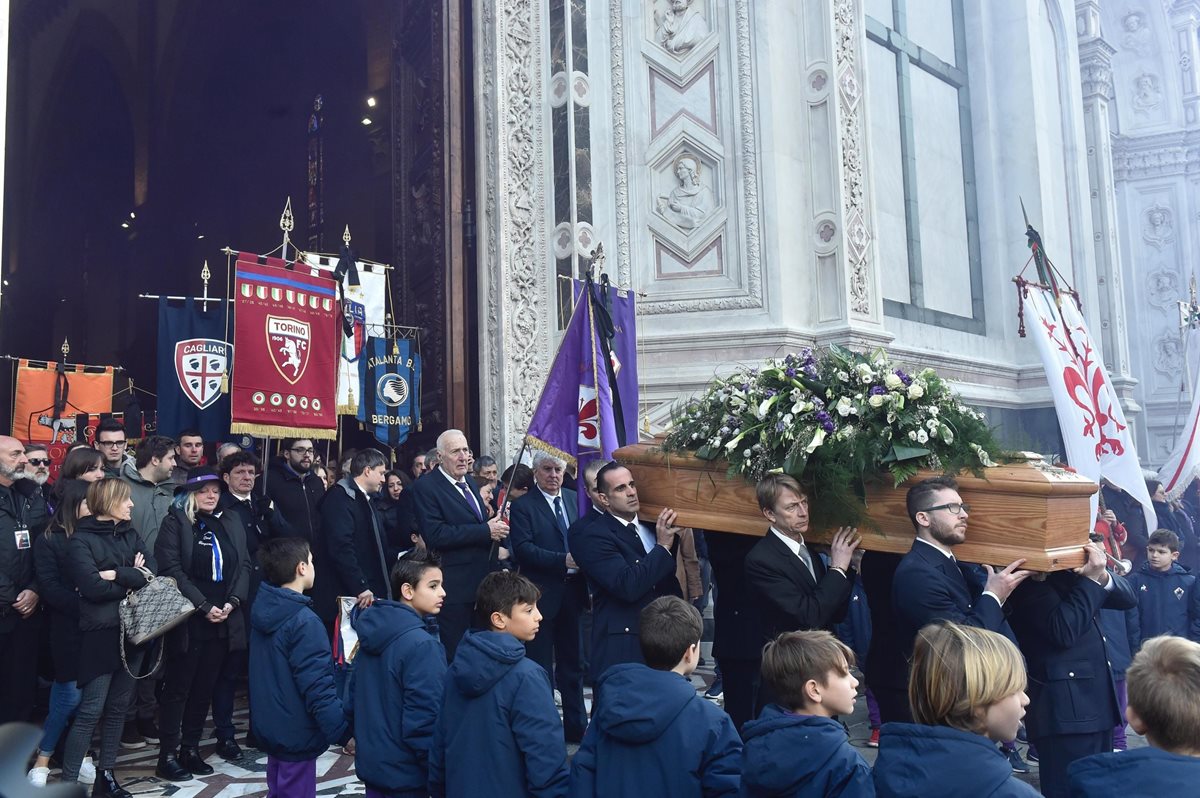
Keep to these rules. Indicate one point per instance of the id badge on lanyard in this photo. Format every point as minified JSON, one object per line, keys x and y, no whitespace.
{"x":21,"y":533}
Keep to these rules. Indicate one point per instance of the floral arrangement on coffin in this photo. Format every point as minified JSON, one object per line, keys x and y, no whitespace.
{"x":833,"y":419}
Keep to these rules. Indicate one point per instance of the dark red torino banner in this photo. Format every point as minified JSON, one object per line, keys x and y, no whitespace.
{"x":286,"y":335}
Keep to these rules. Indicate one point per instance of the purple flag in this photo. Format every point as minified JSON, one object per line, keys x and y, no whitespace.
{"x":620,"y":304}
{"x":574,"y":419}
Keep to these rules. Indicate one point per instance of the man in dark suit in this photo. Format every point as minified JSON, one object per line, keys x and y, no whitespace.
{"x":928,"y":585}
{"x":792,"y":587}
{"x":455,"y":524}
{"x":1072,"y":700}
{"x":350,"y":550}
{"x":539,"y":523}
{"x":628,"y":564}
{"x":737,"y":626}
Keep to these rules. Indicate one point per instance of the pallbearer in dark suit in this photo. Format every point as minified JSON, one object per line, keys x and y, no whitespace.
{"x":539,"y":523}
{"x":791,"y":585}
{"x":928,"y":585}
{"x":454,"y":524}
{"x":628,"y":564}
{"x":1072,"y":699}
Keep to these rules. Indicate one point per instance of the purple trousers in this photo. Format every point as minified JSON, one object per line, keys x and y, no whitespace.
{"x":291,"y":779}
{"x":1119,"y":741}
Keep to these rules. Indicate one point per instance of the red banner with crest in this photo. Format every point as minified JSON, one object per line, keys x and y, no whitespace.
{"x":287,"y":328}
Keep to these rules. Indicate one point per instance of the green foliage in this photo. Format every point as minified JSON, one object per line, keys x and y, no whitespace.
{"x":834,"y":419}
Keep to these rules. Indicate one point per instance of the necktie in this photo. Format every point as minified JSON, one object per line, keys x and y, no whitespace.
{"x":470,"y":500}
{"x":804,"y":555}
{"x":641,"y":540}
{"x":562,"y":520}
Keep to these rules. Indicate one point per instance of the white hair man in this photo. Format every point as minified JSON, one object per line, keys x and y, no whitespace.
{"x":540,"y":537}
{"x":455,"y":524}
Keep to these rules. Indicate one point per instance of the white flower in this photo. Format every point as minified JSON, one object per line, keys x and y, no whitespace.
{"x":746,"y":453}
{"x":818,"y":439}
{"x":876,"y":400}
{"x":931,"y":424}
{"x":843,"y":376}
{"x":891,"y":417}
{"x":916,"y":390}
{"x":865,"y":374}
{"x":947,"y":435}
{"x":922,"y":436}
{"x":787,"y":419}
{"x":844,"y":406}
{"x":912,"y":435}
{"x":933,"y":411}
{"x":892,"y":382}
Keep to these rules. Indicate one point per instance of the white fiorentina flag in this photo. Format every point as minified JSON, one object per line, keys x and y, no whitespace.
{"x":1184,"y":463}
{"x":364,"y":304}
{"x":1093,"y":425}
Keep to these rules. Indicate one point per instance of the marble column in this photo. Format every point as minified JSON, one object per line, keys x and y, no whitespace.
{"x":1095,"y":64}
{"x":516,"y":295}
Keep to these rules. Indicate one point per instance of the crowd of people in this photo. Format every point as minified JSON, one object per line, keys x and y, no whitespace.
{"x":476,"y":596}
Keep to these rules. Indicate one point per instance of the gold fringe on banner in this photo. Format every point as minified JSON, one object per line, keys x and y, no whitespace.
{"x":534,"y":443}
{"x":273,"y":431}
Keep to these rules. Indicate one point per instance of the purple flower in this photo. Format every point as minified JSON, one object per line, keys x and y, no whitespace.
{"x":904,"y":378}
{"x":827,"y":426}
{"x":746,"y":386}
{"x":818,"y":403}
{"x":790,"y":373}
{"x":878,"y":390}
{"x":780,"y":427}
{"x":823,"y":417}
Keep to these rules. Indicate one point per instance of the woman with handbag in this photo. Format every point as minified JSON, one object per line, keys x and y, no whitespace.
{"x":106,"y":560}
{"x":205,"y":552}
{"x":58,"y":594}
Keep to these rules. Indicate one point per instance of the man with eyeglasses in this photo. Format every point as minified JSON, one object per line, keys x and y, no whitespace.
{"x":37,"y":467}
{"x":295,"y":489}
{"x":22,"y":521}
{"x":929,"y":585}
{"x":111,"y":443}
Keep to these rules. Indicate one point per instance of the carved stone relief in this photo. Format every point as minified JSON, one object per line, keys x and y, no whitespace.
{"x":858,"y":238}
{"x":690,"y":201}
{"x":1147,"y":93}
{"x":1168,"y":354}
{"x":691,"y":74}
{"x":679,"y":25}
{"x":1158,"y":227}
{"x":1162,"y":287}
{"x":1136,"y":35}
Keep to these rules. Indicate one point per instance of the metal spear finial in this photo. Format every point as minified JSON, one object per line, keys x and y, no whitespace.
{"x":346,"y":236}
{"x":286,"y":222}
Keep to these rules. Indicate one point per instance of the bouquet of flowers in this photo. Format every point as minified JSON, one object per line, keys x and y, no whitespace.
{"x":833,"y":419}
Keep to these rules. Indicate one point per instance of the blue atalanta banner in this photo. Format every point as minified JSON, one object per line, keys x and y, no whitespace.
{"x":390,"y":379}
{"x":192,"y":357}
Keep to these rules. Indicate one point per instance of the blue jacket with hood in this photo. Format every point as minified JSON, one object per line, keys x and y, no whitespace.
{"x":655,"y":736}
{"x":1138,"y":771}
{"x":1168,"y":603}
{"x":941,"y":762}
{"x":294,"y":706}
{"x":829,"y":768}
{"x":397,"y":688}
{"x":499,"y":732}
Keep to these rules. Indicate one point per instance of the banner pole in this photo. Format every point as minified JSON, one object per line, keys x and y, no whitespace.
{"x":286,"y":224}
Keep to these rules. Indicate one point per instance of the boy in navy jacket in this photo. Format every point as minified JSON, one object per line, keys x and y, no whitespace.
{"x":1168,"y":599}
{"x":654,"y":734}
{"x":398,"y":681}
{"x":809,"y":672}
{"x":499,"y":732}
{"x":294,"y":707}
{"x":1164,"y":705}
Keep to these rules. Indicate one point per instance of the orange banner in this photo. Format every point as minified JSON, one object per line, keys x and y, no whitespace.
{"x":87,"y":390}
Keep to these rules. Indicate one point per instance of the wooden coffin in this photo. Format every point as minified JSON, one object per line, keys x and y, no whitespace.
{"x":1025,"y":509}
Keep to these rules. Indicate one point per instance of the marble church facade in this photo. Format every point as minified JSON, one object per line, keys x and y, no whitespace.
{"x":769,"y":175}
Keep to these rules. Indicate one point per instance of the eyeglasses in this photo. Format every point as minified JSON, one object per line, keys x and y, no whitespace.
{"x":955,"y":508}
{"x":111,"y":444}
{"x":299,"y":450}
{"x":39,"y":461}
